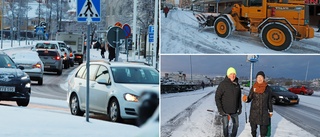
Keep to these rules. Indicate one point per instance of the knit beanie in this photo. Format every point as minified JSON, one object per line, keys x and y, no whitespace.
{"x":261,"y":73}
{"x":231,"y":70}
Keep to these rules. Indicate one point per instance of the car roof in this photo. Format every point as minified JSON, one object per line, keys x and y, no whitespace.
{"x":140,"y":64}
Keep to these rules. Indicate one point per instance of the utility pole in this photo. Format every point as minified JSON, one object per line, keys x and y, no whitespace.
{"x":60,"y":16}
{"x":134,"y":33}
{"x":2,"y":10}
{"x":155,"y":47}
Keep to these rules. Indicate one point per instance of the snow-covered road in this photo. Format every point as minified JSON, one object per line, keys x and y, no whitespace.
{"x":185,"y":115}
{"x":179,"y":34}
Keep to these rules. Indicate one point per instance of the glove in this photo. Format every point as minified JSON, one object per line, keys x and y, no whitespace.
{"x":270,"y":114}
{"x":239,"y":111}
{"x":222,"y":113}
{"x":244,"y":98}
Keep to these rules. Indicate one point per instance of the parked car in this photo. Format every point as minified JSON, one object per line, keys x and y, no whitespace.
{"x":15,"y":85}
{"x":51,"y":60}
{"x":32,"y":64}
{"x":282,"y":95}
{"x":301,"y":90}
{"x":114,"y":87}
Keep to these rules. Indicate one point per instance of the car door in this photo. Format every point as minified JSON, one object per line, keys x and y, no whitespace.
{"x":101,"y":91}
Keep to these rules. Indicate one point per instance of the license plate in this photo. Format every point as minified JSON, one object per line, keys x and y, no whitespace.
{"x":46,"y":66}
{"x":7,"y":89}
{"x":78,"y":57}
{"x":293,"y":101}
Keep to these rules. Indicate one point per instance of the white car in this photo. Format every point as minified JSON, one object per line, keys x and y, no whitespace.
{"x":114,"y":88}
{"x":32,"y":64}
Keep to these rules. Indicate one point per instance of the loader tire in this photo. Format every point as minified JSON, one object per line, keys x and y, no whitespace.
{"x":222,"y":27}
{"x":276,"y":36}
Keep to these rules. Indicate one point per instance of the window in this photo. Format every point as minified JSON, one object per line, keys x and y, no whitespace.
{"x":93,"y":70}
{"x":81,"y":71}
{"x":135,"y":75}
{"x":103,"y":73}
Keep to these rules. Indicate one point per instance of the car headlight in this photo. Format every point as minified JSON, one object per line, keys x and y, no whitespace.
{"x":280,"y":96}
{"x":28,"y":85}
{"x":130,"y":97}
{"x":24,"y":77}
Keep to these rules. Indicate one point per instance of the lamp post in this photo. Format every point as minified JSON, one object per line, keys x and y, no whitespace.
{"x":2,"y":10}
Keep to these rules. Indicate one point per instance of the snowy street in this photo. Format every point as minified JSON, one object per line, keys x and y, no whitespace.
{"x":185,"y":115}
{"x":179,"y":34}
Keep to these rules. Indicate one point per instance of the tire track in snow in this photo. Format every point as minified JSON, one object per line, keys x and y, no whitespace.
{"x":176,"y":121}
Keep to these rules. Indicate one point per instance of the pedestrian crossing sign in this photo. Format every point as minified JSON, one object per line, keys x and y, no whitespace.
{"x":88,"y":10}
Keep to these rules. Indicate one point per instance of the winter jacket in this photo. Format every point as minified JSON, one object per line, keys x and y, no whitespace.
{"x":228,"y":97}
{"x":261,"y":105}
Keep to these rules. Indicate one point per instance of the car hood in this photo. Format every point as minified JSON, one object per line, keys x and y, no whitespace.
{"x":137,"y":89}
{"x":286,"y":94}
{"x":9,"y":71}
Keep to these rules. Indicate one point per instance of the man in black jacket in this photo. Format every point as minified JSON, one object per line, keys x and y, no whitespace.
{"x":228,"y":101}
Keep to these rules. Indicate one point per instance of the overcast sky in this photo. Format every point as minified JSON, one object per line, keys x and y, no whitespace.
{"x":288,"y":66}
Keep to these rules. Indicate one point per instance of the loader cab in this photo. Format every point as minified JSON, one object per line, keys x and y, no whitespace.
{"x":254,"y":9}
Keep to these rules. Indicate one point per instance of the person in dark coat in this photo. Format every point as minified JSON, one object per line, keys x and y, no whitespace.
{"x":228,"y":101}
{"x":261,"y":105}
{"x":202,"y":85}
{"x":102,"y":49}
{"x":166,"y":11}
{"x":112,"y":53}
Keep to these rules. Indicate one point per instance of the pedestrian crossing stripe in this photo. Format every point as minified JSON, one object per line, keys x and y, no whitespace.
{"x":87,"y":9}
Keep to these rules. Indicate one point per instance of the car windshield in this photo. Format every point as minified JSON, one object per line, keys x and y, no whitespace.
{"x":280,"y":89}
{"x":6,"y":62}
{"x":135,"y":75}
{"x":46,"y":46}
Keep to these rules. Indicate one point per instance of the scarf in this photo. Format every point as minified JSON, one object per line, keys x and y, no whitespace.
{"x":259,"y":88}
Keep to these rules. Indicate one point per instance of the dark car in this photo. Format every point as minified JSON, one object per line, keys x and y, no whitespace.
{"x":15,"y":85}
{"x":280,"y":95}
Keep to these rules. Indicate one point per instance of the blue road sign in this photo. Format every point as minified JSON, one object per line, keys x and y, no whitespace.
{"x":39,"y":30}
{"x":88,"y":9}
{"x":151,"y":29}
{"x":151,"y":37}
{"x":127,"y":30}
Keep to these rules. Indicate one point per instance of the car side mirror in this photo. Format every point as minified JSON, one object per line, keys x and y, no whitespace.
{"x":103,"y":81}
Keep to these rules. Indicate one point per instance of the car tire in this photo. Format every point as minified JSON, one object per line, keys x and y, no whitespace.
{"x":23,"y":103}
{"x":114,"y":111}
{"x":74,"y":106}
{"x":59,"y":72}
{"x":40,"y":81}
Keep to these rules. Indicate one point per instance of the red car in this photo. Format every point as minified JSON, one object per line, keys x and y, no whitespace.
{"x":301,"y":90}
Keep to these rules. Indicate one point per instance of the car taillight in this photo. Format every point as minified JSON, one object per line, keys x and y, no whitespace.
{"x":57,"y":58}
{"x":38,"y":65}
{"x":71,"y":55}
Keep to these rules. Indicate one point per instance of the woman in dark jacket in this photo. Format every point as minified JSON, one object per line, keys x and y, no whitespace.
{"x":261,"y":106}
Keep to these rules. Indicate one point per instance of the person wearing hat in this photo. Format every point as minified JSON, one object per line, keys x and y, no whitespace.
{"x":228,"y":101}
{"x":261,"y":105}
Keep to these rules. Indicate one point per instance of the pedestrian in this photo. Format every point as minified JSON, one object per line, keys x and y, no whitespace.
{"x":228,"y":101}
{"x":166,"y":11}
{"x":261,"y":105}
{"x":102,"y":49}
{"x":202,"y":85}
{"x":112,"y":52}
{"x":318,"y":26}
